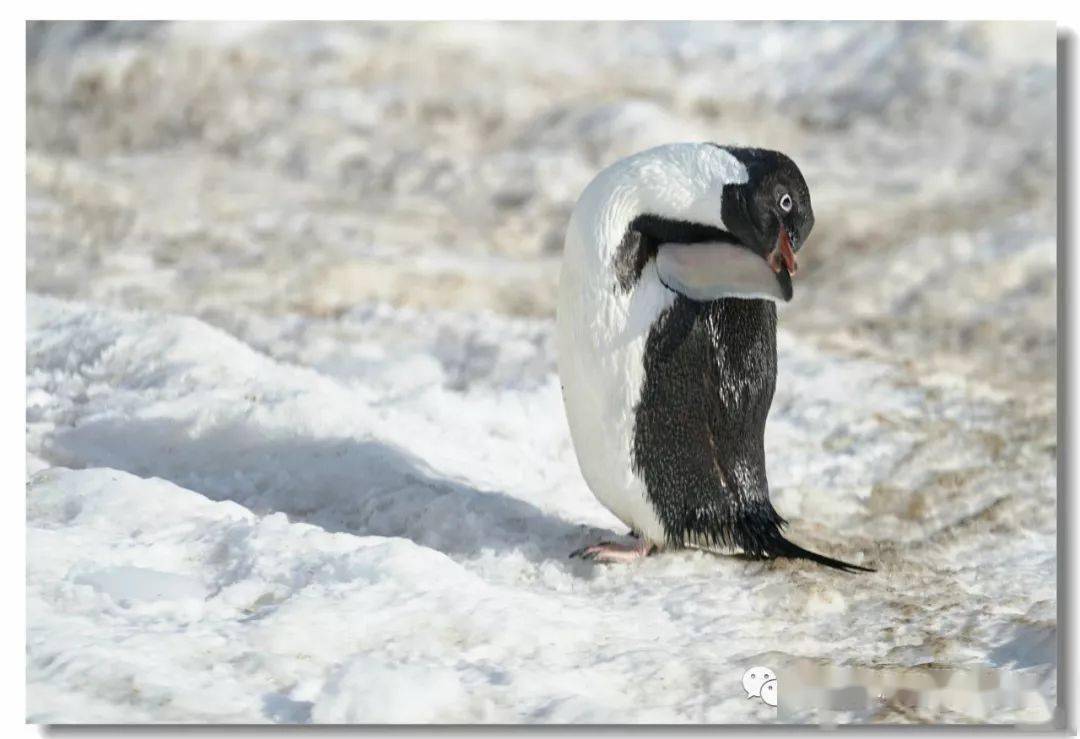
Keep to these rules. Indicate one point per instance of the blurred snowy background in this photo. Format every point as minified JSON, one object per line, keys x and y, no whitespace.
{"x":305,"y":273}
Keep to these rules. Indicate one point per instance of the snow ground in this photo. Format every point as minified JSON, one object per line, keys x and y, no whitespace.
{"x":294,"y":436}
{"x":217,"y":535}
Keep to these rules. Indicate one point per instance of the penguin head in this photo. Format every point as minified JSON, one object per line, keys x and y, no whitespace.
{"x":720,"y":221}
{"x":771,"y":211}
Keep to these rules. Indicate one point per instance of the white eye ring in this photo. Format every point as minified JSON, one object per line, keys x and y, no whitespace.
{"x":785,"y":202}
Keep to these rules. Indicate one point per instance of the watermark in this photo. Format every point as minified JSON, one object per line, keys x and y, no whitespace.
{"x":818,"y":692}
{"x":760,"y":682}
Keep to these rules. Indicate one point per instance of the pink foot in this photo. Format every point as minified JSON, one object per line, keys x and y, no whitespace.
{"x":607,"y":551}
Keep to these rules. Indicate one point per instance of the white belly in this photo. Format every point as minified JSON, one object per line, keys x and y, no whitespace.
{"x":600,"y":342}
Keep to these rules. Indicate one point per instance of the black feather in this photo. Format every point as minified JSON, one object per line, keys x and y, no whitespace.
{"x":699,"y":432}
{"x":781,"y":547}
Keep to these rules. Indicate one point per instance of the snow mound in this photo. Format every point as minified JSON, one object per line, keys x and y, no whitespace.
{"x":219,"y":534}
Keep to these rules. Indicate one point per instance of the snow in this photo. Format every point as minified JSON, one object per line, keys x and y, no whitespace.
{"x":217,"y":535}
{"x":295,"y":441}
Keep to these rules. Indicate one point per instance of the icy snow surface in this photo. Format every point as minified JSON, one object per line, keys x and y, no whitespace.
{"x":295,"y":440}
{"x":240,"y":538}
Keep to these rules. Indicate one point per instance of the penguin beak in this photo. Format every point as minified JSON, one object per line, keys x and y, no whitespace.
{"x":783,"y":263}
{"x":783,"y":254}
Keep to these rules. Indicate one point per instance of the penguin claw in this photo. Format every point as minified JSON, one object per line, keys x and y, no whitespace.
{"x":607,"y":551}
{"x":590,"y":551}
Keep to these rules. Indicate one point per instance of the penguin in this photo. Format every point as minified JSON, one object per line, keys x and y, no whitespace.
{"x":674,"y":261}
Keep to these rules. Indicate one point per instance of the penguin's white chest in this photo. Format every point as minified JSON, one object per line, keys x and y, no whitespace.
{"x":601,"y":341}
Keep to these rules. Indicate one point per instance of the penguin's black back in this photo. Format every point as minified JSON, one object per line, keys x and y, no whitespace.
{"x":699,"y":429}
{"x":699,"y":432}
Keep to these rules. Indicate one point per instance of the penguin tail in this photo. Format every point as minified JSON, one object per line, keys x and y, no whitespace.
{"x":781,"y":547}
{"x":756,"y":531}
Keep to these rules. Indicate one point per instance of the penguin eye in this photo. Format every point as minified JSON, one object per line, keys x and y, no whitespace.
{"x":785,"y":203}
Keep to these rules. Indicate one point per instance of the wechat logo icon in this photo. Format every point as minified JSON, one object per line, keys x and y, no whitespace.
{"x":760,"y":682}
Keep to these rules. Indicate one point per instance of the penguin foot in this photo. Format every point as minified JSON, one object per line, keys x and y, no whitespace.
{"x":607,"y":551}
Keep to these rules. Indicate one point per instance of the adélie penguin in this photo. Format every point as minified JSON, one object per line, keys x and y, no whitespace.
{"x":674,"y":260}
